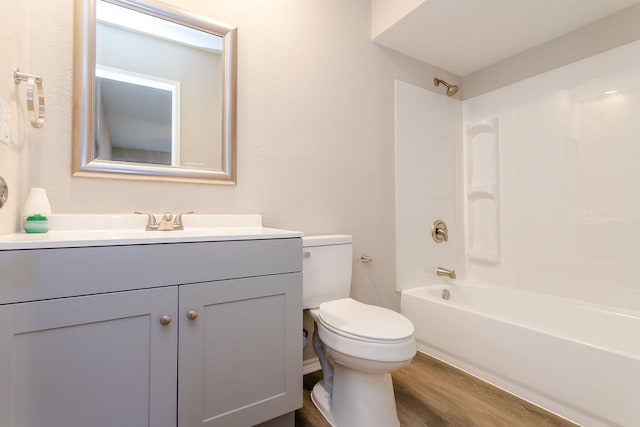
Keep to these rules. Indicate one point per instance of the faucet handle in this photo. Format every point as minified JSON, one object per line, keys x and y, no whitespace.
{"x":152,"y":223}
{"x":177,"y":223}
{"x":439,"y":231}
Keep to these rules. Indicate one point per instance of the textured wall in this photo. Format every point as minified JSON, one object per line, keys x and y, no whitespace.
{"x":315,"y":126}
{"x":13,"y":48}
{"x":385,"y":13}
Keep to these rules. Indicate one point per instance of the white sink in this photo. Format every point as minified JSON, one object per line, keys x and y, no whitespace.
{"x":76,"y":230}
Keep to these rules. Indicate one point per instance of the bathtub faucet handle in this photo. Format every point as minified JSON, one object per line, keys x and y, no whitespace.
{"x":441,"y":271}
{"x":439,"y":231}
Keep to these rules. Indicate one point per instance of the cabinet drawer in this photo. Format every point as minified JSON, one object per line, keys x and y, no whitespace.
{"x":37,"y":274}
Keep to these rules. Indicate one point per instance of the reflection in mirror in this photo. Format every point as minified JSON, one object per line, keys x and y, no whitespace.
{"x":154,"y":93}
{"x":136,"y":118}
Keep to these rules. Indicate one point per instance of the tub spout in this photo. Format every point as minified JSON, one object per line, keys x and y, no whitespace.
{"x":441,"y":271}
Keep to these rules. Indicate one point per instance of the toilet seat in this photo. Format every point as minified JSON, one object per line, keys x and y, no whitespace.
{"x":349,"y":327}
{"x":365,"y":322}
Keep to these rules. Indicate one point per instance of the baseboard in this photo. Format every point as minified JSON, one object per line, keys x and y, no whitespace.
{"x":310,"y":365}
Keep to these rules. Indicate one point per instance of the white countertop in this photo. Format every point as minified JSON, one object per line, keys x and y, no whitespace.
{"x":73,"y":230}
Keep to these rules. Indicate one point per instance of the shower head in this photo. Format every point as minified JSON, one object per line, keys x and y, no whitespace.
{"x":451,"y":89}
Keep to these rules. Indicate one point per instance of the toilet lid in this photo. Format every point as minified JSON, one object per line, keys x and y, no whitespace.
{"x":366,"y":321}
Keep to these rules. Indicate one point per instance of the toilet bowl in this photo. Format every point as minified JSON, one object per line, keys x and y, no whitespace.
{"x":358,"y":345}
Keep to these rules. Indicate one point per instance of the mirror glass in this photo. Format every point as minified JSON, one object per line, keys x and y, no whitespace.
{"x":155,"y":93}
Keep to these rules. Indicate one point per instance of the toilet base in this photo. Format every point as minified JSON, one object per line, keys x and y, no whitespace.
{"x":358,"y":399}
{"x":321,"y":398}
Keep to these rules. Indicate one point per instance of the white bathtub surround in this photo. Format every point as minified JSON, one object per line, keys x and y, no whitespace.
{"x":575,"y":359}
{"x":569,"y":204}
{"x":428,"y":155}
{"x":566,"y":210}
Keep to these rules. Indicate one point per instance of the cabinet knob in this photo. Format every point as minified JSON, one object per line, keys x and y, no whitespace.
{"x":165,"y":320}
{"x":192,"y":315}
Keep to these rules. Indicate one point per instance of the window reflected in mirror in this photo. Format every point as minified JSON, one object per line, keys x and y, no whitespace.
{"x":137,"y":118}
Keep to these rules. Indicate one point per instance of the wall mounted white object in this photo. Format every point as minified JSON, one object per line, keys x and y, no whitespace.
{"x":33,"y":82}
{"x":482,"y":191}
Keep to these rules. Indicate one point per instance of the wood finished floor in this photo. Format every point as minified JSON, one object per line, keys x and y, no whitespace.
{"x":433,"y":394}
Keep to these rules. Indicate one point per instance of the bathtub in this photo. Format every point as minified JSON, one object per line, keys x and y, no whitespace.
{"x":578,"y":360}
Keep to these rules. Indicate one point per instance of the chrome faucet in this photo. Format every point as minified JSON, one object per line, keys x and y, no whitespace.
{"x":441,"y":271}
{"x":167,"y":223}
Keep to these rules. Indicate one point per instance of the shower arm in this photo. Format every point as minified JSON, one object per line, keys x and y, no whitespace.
{"x":451,"y":89}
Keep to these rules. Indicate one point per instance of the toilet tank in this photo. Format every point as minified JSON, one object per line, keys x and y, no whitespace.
{"x":326,"y":268}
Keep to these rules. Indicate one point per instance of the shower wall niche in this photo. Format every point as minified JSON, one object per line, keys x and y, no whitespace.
{"x":482,"y":190}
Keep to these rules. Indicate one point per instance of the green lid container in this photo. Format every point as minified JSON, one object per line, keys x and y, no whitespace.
{"x":36,"y":224}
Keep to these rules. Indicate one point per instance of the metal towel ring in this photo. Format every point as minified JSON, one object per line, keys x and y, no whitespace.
{"x":33,"y":82}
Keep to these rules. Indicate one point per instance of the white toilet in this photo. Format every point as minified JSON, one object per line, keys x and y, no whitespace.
{"x":358,"y":345}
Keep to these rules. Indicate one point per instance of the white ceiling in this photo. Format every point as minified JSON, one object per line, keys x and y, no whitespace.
{"x":463,"y":36}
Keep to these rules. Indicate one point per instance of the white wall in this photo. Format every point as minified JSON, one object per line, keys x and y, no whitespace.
{"x":385,"y":13}
{"x":315,"y":125}
{"x":570,"y":204}
{"x":13,"y":46}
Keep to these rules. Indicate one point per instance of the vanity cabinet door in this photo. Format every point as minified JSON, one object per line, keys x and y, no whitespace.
{"x":91,"y":361}
{"x":240,"y":350}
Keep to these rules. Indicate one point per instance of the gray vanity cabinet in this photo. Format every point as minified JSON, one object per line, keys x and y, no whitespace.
{"x":219,"y":347}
